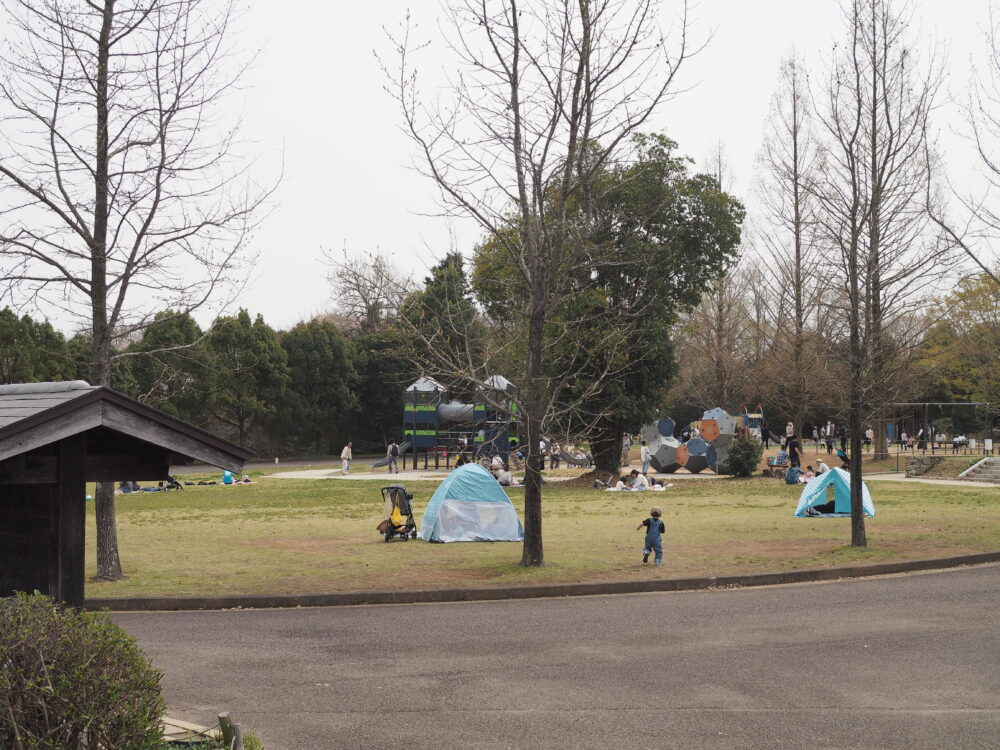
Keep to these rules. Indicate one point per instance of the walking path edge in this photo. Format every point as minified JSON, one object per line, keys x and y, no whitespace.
{"x":355,"y":598}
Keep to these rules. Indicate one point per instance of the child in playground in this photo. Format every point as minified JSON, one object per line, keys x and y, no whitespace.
{"x":654,"y":541}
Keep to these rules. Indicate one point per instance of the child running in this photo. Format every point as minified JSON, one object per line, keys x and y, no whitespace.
{"x":654,"y":542}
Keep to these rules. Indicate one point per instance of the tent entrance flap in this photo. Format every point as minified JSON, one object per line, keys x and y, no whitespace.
{"x":464,"y":521}
{"x":816,"y":492}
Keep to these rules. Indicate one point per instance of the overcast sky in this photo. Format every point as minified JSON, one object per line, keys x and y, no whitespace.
{"x":314,"y":97}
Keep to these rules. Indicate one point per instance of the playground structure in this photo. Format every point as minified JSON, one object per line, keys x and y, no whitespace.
{"x":435,"y":424}
{"x":708,"y":450}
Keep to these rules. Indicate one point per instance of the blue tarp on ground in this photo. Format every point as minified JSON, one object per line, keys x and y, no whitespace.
{"x":816,"y":490}
{"x":470,"y":506}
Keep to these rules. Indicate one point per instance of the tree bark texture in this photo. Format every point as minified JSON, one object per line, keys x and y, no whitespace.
{"x":109,"y":567}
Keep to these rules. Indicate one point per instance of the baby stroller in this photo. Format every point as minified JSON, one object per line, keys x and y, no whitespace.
{"x":398,"y":513}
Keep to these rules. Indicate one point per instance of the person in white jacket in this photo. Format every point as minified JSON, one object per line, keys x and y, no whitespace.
{"x":345,"y":459}
{"x":645,"y":455}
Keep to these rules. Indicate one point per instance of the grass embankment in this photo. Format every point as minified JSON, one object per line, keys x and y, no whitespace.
{"x":300,"y":536}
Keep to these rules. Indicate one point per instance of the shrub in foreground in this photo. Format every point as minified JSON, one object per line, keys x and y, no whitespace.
{"x":71,"y":680}
{"x":744,"y":455}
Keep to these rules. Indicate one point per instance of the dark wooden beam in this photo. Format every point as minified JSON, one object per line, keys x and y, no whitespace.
{"x":71,"y":492}
{"x":118,"y":468}
{"x":136,"y":425}
{"x":28,"y":470}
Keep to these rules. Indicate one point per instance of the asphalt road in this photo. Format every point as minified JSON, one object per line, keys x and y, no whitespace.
{"x":899,"y":662}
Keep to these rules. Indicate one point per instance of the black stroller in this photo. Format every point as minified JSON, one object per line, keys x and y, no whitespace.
{"x":398,"y":506}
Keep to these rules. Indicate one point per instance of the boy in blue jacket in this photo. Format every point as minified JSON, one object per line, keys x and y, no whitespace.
{"x":654,"y":541}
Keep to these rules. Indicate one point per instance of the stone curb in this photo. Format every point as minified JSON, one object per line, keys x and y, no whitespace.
{"x":352,"y":598}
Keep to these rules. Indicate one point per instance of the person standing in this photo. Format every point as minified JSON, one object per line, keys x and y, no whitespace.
{"x":765,"y":434}
{"x":869,"y":436}
{"x":346,"y":456}
{"x":626,"y":446}
{"x":645,"y":455}
{"x":789,"y":431}
{"x":793,"y":451}
{"x":393,"y":454}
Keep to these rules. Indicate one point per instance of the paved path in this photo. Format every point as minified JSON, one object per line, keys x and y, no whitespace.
{"x":900,"y":662}
{"x":930,"y":480}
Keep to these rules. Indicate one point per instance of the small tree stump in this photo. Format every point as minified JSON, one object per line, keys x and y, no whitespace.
{"x":226,"y":727}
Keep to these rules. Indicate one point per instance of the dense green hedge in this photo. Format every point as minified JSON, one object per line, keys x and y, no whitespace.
{"x":744,"y":455}
{"x":71,"y":680}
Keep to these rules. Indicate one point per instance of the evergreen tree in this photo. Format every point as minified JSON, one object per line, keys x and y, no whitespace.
{"x":172,"y":368}
{"x":251,"y":373}
{"x":323,"y":384}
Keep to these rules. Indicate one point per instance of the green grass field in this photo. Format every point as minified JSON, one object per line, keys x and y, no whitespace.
{"x":301,"y":536}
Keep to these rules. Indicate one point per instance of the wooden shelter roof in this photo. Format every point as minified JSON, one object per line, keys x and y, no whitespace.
{"x":119,"y":429}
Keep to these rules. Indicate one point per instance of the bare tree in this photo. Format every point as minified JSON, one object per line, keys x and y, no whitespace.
{"x":367,"y":289}
{"x":122,"y":188}
{"x":981,"y":225}
{"x":786,"y":231}
{"x":715,"y":345}
{"x":546,"y":98}
{"x":875,"y":113}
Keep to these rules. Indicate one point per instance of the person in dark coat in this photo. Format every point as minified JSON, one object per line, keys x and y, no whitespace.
{"x":793,"y":446}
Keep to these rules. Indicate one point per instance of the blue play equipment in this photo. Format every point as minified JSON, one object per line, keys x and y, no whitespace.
{"x":817,"y":490}
{"x":470,"y":506}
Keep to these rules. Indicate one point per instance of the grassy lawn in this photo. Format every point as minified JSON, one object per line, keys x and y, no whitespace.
{"x":300,"y":536}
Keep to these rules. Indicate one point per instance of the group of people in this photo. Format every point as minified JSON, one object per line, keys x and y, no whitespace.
{"x":635,"y":481}
{"x":796,"y":475}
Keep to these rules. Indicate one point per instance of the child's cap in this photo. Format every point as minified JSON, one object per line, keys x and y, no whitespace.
{"x":655,"y":511}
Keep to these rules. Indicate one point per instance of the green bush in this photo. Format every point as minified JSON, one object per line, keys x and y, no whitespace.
{"x":71,"y":680}
{"x":744,"y":455}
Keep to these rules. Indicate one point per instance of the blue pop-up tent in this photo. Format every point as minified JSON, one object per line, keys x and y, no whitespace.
{"x":470,"y":506}
{"x":817,"y":489}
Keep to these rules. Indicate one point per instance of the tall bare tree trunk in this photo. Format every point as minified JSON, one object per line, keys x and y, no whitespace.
{"x":109,"y":566}
{"x":856,"y":413}
{"x":532,"y":553}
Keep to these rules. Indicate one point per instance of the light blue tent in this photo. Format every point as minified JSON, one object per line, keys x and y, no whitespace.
{"x":470,"y":506}
{"x":816,"y":490}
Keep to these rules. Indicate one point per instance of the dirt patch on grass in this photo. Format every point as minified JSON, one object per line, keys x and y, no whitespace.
{"x":311,"y":544}
{"x":948,"y":468}
{"x":586,"y":481}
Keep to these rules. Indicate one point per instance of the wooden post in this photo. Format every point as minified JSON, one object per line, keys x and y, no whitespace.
{"x":238,"y":737}
{"x":226,"y":727}
{"x":71,"y":508}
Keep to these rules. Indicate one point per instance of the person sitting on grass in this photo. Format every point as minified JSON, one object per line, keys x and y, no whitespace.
{"x":821,"y":467}
{"x":638,"y":481}
{"x":503,"y":477}
{"x":810,"y":474}
{"x":654,"y":539}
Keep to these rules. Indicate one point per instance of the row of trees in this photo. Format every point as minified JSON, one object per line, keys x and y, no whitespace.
{"x":303,"y":391}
